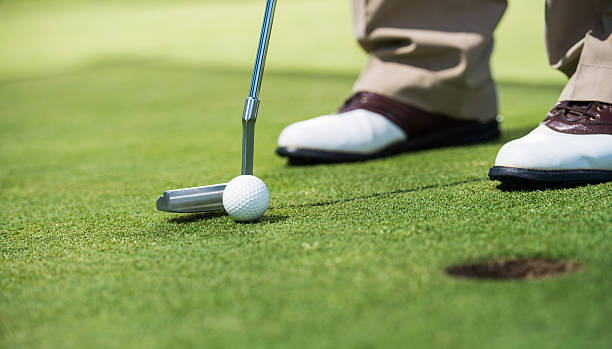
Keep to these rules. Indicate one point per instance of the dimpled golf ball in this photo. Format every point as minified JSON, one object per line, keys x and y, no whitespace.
{"x":246,"y":198}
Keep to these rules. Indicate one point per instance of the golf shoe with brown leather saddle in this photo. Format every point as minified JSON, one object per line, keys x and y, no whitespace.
{"x":370,"y":126}
{"x":573,"y":145}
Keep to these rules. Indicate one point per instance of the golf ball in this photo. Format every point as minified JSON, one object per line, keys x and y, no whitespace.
{"x":246,"y":198}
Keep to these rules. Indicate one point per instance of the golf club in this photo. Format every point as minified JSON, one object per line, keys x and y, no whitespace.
{"x":210,"y":197}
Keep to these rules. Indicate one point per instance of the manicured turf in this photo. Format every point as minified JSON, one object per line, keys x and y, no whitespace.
{"x":105,"y":105}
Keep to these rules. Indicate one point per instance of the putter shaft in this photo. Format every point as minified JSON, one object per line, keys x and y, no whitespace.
{"x":251,"y":106}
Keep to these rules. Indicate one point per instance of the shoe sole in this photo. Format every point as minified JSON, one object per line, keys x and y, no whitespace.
{"x":460,"y":136}
{"x":513,"y":176}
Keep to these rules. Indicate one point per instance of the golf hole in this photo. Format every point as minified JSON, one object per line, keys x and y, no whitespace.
{"x":512,"y":269}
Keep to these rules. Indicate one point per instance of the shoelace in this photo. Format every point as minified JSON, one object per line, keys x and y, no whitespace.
{"x":579,"y":111}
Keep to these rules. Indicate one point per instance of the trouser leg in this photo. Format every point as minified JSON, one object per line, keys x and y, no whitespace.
{"x":579,"y":43}
{"x":431,"y":54}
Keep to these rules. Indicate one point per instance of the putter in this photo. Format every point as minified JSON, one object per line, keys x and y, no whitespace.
{"x":210,"y":197}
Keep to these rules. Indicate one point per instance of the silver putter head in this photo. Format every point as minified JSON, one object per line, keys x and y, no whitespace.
{"x":191,"y":200}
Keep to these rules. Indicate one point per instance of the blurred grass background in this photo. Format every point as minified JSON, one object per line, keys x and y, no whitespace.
{"x":44,"y":37}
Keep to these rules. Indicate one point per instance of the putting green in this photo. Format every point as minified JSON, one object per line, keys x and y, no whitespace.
{"x":104,"y":105}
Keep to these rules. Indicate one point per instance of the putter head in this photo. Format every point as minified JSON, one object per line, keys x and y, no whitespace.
{"x":192,"y":200}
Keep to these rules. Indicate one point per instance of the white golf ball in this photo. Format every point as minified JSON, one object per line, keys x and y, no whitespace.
{"x":246,"y":198}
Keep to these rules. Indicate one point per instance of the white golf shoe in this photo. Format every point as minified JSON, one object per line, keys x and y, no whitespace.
{"x":573,"y":145}
{"x":371,"y":126}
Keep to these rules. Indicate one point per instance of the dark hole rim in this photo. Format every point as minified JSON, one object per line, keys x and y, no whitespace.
{"x":526,"y":268}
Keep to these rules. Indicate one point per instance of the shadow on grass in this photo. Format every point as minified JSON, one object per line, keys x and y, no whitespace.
{"x":162,"y":64}
{"x":533,"y":187}
{"x":196,"y":217}
{"x":90,"y":67}
{"x":273,"y":218}
{"x":388,"y":193}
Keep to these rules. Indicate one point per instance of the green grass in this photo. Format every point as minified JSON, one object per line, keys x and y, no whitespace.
{"x":101,"y":109}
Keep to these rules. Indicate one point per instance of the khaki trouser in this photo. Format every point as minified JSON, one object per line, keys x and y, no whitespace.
{"x":434,"y":54}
